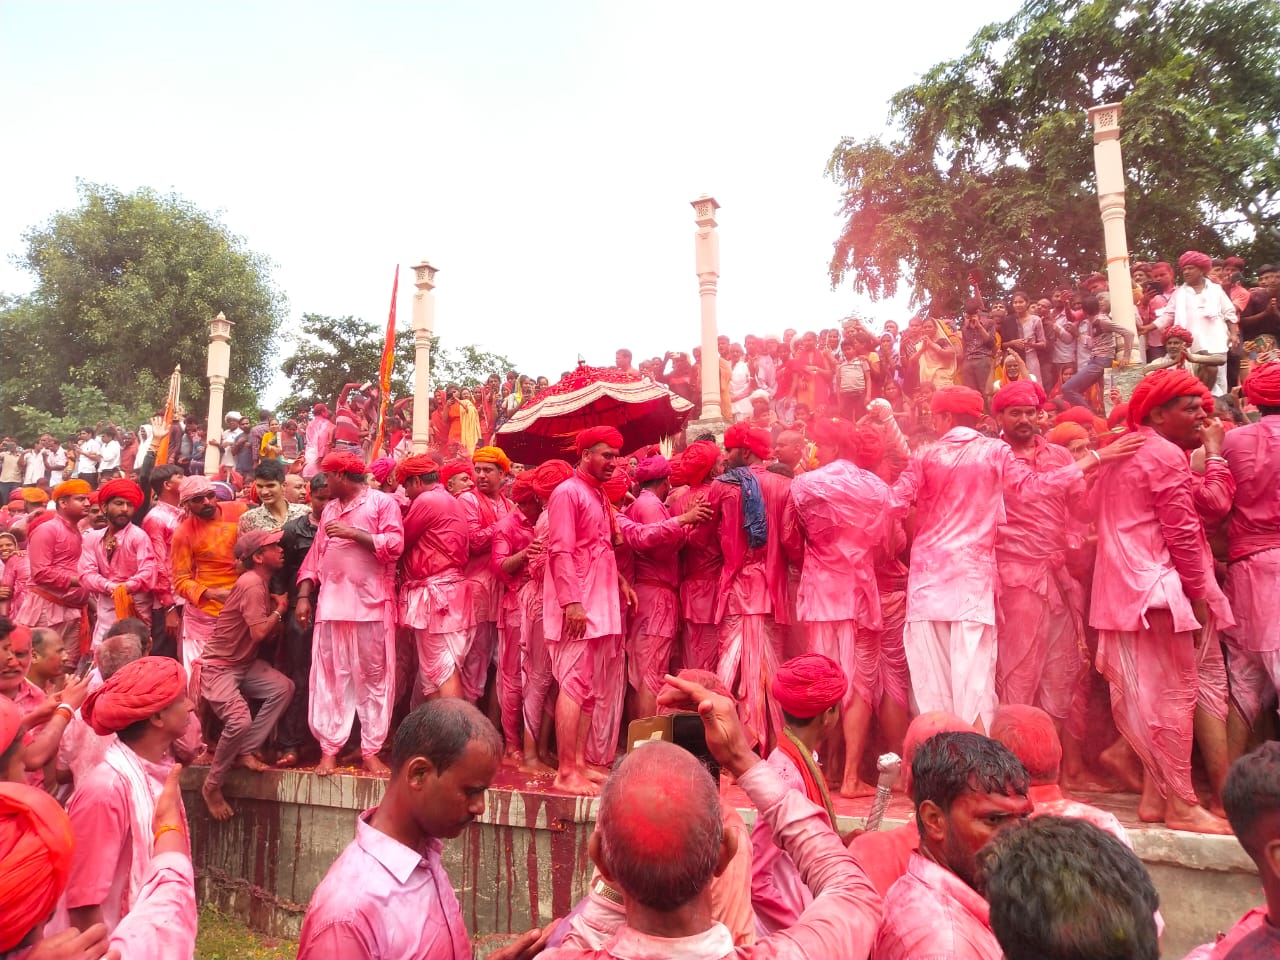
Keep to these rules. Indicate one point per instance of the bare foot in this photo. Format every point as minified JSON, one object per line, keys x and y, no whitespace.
{"x":596,"y":773}
{"x":1196,"y":819}
{"x":1087,"y":782}
{"x":576,"y":783}
{"x":219,"y":809}
{"x":287,"y":759}
{"x":1151,"y":806}
{"x":512,"y":758}
{"x":376,"y":767}
{"x":250,"y":762}
{"x":536,"y":767}
{"x":1218,"y":810}
{"x":856,"y":788}
{"x":326,"y":766}
{"x":1119,"y":761}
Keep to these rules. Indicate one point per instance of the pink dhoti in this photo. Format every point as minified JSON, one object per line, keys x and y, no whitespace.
{"x":651,"y":636}
{"x":535,"y":657}
{"x":953,"y":667}
{"x":895,"y":677}
{"x":33,"y":610}
{"x":1212,"y":690}
{"x":1254,"y":678}
{"x":482,"y":638}
{"x":750,"y":654}
{"x":1154,"y":682}
{"x":1253,"y":644}
{"x":590,"y":674}
{"x":197,"y":628}
{"x":508,"y":674}
{"x":856,"y":650}
{"x":352,"y":674}
{"x":435,"y":610}
{"x":699,"y":634}
{"x":1040,"y":650}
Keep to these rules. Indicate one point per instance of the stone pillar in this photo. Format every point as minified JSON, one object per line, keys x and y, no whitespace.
{"x":1109,"y":168}
{"x":706,"y":245}
{"x":219,"y":368}
{"x":424,"y":322}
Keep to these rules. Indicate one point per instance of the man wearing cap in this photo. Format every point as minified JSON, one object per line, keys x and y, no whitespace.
{"x":204,"y":565}
{"x":700,"y":558}
{"x":652,"y":629}
{"x":484,"y":507}
{"x":809,"y":689}
{"x":959,"y":486}
{"x":231,"y":673}
{"x":146,"y":705}
{"x":435,"y":598}
{"x":1155,"y":593}
{"x":354,"y":560}
{"x":117,"y":563}
{"x":231,"y":432}
{"x":1203,"y":307}
{"x":54,"y":595}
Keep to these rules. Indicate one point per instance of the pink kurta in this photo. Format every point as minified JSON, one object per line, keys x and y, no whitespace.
{"x":162,"y":923}
{"x":931,"y":913}
{"x":318,"y":441}
{"x":511,"y":534}
{"x":382,"y":900}
{"x":753,"y":580}
{"x":132,"y":563}
{"x":481,"y":520}
{"x":778,"y":893}
{"x":159,"y":524}
{"x":356,"y":584}
{"x":700,"y":565}
{"x":1253,"y":532}
{"x":51,"y":597}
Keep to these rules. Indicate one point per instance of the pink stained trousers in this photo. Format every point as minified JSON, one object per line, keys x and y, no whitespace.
{"x":352,"y":673}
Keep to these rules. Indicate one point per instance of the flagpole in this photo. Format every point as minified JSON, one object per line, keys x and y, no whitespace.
{"x":385,"y":369}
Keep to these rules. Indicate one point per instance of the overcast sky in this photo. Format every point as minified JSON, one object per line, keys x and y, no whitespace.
{"x":541,"y":154}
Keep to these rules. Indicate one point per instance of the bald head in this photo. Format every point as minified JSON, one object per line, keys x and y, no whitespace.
{"x":1030,"y":735}
{"x":115,"y":651}
{"x":659,"y":826}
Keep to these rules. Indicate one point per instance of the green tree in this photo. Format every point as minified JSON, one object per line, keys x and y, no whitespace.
{"x":993,"y":163}
{"x":126,"y":286}
{"x":332,"y":351}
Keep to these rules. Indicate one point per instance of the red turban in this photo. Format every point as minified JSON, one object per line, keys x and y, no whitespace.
{"x":1019,"y":393}
{"x":494,"y":455}
{"x":418,"y":465}
{"x":742,"y":436}
{"x":656,"y":467}
{"x":1080,"y":415}
{"x":522,"y":489}
{"x":547,"y":476}
{"x":809,"y":684}
{"x":957,"y":401}
{"x":382,"y":468}
{"x":71,"y":488}
{"x":588,"y":438}
{"x":695,"y":463}
{"x":340,"y":461}
{"x":1262,"y":385}
{"x":35,"y":859}
{"x":1119,"y":413}
{"x":1194,"y":258}
{"x":451,"y":470}
{"x":320,"y":410}
{"x":1172,"y":331}
{"x":831,"y":432}
{"x":125,"y":489}
{"x":1157,"y":389}
{"x":868,"y":446}
{"x":135,"y":691}
{"x":615,"y":488}
{"x":10,"y":721}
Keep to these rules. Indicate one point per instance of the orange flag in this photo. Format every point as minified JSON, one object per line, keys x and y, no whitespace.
{"x":171,"y":404}
{"x":384,"y":371}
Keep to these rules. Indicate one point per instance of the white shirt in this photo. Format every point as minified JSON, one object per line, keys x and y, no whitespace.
{"x":33,"y":467}
{"x":740,"y":383}
{"x":56,"y":461}
{"x":85,"y":466}
{"x":1206,"y":314}
{"x":110,"y":456}
{"x":229,"y":438}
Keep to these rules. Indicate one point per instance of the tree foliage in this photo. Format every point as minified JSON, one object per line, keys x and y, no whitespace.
{"x":332,"y":351}
{"x":126,"y":286}
{"x":993,"y":166}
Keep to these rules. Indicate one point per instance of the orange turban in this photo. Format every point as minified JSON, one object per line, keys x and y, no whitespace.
{"x":135,"y":692}
{"x":1065,"y":433}
{"x":807,"y":685}
{"x":420,"y":464}
{"x":588,"y":438}
{"x":1157,"y":389}
{"x":1262,"y":385}
{"x":695,"y":463}
{"x":494,"y":455}
{"x":125,"y":489}
{"x":35,"y":859}
{"x":547,"y":476}
{"x":71,"y":488}
{"x":1019,"y":393}
{"x":34,"y":495}
{"x":342,"y":462}
{"x":742,"y":436}
{"x":957,"y":401}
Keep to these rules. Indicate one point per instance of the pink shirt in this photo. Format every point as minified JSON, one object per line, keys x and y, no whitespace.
{"x":382,"y":900}
{"x":931,"y":914}
{"x":435,"y":535}
{"x":1035,"y":528}
{"x":1152,"y":551}
{"x":700,"y":562}
{"x":17,"y":574}
{"x":959,"y":486}
{"x":659,"y":564}
{"x":29,"y":698}
{"x":778,"y":893}
{"x":162,"y":922}
{"x":511,"y":534}
{"x":841,"y":920}
{"x":752,"y":581}
{"x":159,"y":524}
{"x":53,"y":550}
{"x":133,"y":563}
{"x":356,"y":584}
{"x":486,"y":591}
{"x":1253,"y":455}
{"x":841,"y":514}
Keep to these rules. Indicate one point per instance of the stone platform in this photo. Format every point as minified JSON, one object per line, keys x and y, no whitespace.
{"x":525,"y":861}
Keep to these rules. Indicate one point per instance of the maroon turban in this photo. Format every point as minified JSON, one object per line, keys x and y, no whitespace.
{"x":342,"y":462}
{"x":742,"y":436}
{"x":868,"y":446}
{"x":418,"y":465}
{"x":1080,"y":415}
{"x":1157,"y":389}
{"x":695,"y":463}
{"x":1172,"y":331}
{"x":547,"y":476}
{"x":1119,"y":413}
{"x":957,"y":401}
{"x":1262,"y":385}
{"x":588,"y":438}
{"x":1019,"y":393}
{"x":383,"y":468}
{"x":809,"y":684}
{"x":656,"y":467}
{"x":125,"y":489}
{"x":135,"y":692}
{"x":35,"y":859}
{"x":1194,"y":258}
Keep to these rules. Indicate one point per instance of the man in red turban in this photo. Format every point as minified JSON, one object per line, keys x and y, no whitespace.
{"x":593,"y":436}
{"x":1156,"y":603}
{"x":118,"y":562}
{"x":145,"y":704}
{"x":318,"y":440}
{"x":742,"y":436}
{"x":695,"y":464}
{"x":458,"y":477}
{"x":810,"y":689}
{"x":1252,"y":453}
{"x":701,"y":560}
{"x":960,"y":487}
{"x":340,"y":461}
{"x":1203,"y":308}
{"x":54,"y":595}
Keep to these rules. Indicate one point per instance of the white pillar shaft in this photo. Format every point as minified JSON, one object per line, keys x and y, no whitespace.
{"x":212,"y":453}
{"x":707,"y":250}
{"x":424,"y":308}
{"x":1109,"y":167}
